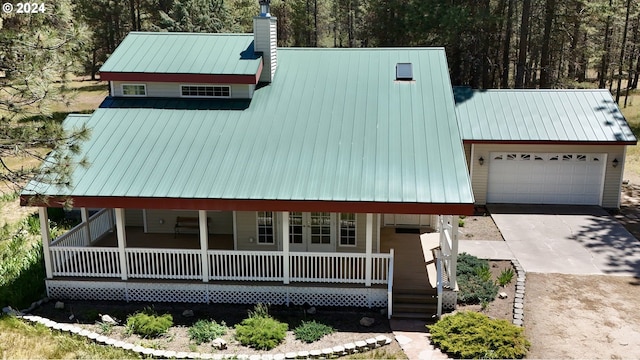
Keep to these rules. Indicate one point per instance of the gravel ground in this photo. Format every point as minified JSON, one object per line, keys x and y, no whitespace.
{"x":344,"y":320}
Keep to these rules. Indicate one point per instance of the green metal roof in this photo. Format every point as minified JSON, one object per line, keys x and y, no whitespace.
{"x":334,"y":125}
{"x":540,"y":115}
{"x":184,"y":53}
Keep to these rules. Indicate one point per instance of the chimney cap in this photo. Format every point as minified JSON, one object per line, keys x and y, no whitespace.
{"x":264,"y":7}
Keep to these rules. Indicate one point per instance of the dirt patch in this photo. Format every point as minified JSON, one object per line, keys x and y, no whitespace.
{"x":498,"y":308}
{"x":479,"y":227}
{"x":571,"y":316}
{"x":344,"y":320}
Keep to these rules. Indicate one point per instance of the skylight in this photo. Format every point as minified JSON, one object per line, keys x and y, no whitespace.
{"x":404,"y":71}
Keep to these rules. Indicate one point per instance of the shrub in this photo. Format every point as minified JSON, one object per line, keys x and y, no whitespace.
{"x":148,"y":323}
{"x":310,"y":331}
{"x":204,"y":331}
{"x":505,"y":277}
{"x":22,"y":269}
{"x":471,"y":335}
{"x":260,"y":330}
{"x":474,"y":280}
{"x":460,"y":222}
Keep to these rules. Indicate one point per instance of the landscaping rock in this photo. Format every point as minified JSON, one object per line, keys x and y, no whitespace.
{"x":219,"y":343}
{"x":503,"y":295}
{"x":312,"y":310}
{"x":187,"y":313}
{"x":108,"y":320}
{"x":59,"y":305}
{"x":10,"y":311}
{"x":367,"y":321}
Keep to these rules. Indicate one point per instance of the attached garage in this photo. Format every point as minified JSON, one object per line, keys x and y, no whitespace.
{"x":546,"y":178}
{"x":543,"y":146}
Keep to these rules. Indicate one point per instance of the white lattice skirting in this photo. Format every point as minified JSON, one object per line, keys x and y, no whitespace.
{"x":449,"y":299}
{"x":216,"y":293}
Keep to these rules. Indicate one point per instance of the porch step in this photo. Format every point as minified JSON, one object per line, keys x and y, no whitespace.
{"x":415,"y":303}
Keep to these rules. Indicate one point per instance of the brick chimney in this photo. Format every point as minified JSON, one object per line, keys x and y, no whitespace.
{"x":265,"y":35}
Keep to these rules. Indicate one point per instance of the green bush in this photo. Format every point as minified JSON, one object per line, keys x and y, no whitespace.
{"x":505,"y":277}
{"x":460,"y":223}
{"x":148,"y":323}
{"x":310,"y":331}
{"x":260,"y":330}
{"x":471,"y":335}
{"x":22,"y":269}
{"x":474,"y":280}
{"x":204,"y":331}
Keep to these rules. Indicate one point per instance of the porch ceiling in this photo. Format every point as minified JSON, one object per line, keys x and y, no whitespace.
{"x":332,"y":132}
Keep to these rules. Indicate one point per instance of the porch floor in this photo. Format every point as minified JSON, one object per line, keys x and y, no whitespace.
{"x":410,"y":270}
{"x":136,"y":237}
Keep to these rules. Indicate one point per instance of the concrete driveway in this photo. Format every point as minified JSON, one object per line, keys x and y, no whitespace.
{"x":567,"y":239}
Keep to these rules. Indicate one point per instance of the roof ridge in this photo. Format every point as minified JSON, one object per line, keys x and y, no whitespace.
{"x":165,"y":33}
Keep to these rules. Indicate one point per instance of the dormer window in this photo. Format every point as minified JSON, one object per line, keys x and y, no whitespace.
{"x":134,"y":90}
{"x":205,"y":91}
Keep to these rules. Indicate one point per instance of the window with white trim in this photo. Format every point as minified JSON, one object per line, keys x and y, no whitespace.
{"x":265,"y":227}
{"x":347,"y":229}
{"x":134,"y":90}
{"x":205,"y":91}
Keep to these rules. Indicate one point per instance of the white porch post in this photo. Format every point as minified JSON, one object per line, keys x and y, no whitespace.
{"x":46,"y":240}
{"x":454,"y":250}
{"x":204,"y":244}
{"x":122,"y":242}
{"x":285,"y":246}
{"x":368,"y":250}
{"x":84,"y":214}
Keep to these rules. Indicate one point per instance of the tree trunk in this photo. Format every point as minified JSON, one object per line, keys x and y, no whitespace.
{"x":506,"y":49}
{"x":545,"y":56}
{"x":574,"y":58}
{"x":522,"y":50}
{"x":604,"y":64}
{"x":624,"y":44}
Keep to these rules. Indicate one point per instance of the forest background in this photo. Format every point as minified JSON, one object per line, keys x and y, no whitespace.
{"x":489,"y":44}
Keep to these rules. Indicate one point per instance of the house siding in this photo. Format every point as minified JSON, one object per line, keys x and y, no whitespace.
{"x":612,"y":178}
{"x":163,"y":221}
{"x":246,"y":229}
{"x":133,"y":217}
{"x":467,"y":154}
{"x":172,"y":89}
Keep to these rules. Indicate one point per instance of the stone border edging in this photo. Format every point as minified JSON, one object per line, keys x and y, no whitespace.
{"x":326,"y":353}
{"x":518,"y":301}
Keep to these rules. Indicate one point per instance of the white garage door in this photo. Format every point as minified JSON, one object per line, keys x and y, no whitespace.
{"x":546,"y":178}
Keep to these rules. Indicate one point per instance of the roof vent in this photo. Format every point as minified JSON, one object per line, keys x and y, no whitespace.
{"x":404,"y":71}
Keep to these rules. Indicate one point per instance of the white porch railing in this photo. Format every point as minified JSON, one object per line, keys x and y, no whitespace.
{"x":245,"y":265}
{"x":164,"y":264}
{"x":445,"y":227}
{"x":99,"y":224}
{"x":182,"y":264}
{"x":337,"y":268}
{"x":85,"y":261}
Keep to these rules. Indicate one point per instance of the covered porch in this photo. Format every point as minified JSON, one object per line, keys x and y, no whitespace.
{"x":103,"y":255}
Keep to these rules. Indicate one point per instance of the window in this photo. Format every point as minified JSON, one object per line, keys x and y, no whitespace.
{"x":347,"y":229}
{"x":134,"y":90}
{"x":265,"y":227}
{"x":206,"y":91}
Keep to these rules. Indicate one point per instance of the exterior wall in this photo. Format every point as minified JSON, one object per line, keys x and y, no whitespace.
{"x":246,"y":228}
{"x":133,"y":217}
{"x":247,"y":232}
{"x":467,"y":153}
{"x":172,"y":90}
{"x":612,"y":179}
{"x":163,"y":221}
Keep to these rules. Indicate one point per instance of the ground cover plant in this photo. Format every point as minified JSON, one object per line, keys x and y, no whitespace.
{"x":148,"y":323}
{"x":260,"y":330}
{"x":471,"y":335}
{"x":206,"y":330}
{"x":311,"y":331}
{"x":474,"y":280}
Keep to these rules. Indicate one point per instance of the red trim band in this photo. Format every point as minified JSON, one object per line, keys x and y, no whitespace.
{"x":549,"y":142}
{"x":253,"y":205}
{"x":251,"y":79}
